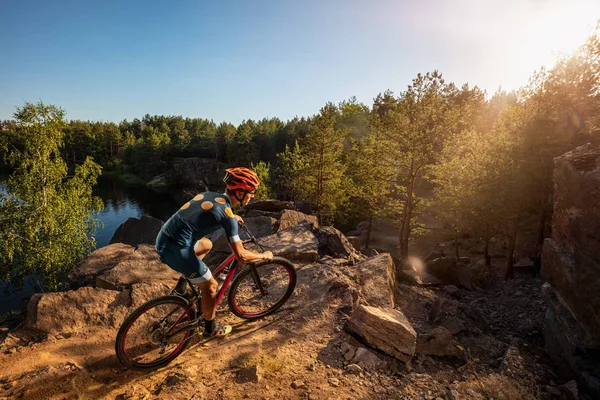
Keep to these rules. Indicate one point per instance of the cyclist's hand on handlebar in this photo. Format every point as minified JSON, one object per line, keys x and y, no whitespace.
{"x":239,"y":220}
{"x":268,"y":256}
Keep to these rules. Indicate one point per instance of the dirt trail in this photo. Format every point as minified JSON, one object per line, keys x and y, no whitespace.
{"x":298,"y":354}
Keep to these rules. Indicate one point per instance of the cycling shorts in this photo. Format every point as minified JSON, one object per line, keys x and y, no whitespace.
{"x":182,"y":259}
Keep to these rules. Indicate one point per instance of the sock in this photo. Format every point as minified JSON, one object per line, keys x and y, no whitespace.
{"x":209,"y":325}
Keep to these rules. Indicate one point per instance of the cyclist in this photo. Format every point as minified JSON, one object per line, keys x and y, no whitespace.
{"x":182,"y":246}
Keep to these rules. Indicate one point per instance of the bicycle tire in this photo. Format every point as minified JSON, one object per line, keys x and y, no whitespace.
{"x":121,"y":341}
{"x":242,"y":278}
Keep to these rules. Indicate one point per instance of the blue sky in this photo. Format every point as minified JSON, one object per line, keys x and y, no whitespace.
{"x":233,"y":60}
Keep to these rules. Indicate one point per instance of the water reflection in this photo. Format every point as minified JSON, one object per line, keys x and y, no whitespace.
{"x":122,"y":201}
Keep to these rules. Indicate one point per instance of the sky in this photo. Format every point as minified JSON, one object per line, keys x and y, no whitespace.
{"x":234,"y":60}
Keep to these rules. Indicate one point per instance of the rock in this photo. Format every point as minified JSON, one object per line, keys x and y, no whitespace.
{"x":137,"y":231}
{"x":566,"y":341}
{"x":439,"y":342}
{"x":353,"y":369}
{"x":333,"y":242}
{"x":354,"y":241}
{"x":418,"y":278}
{"x":571,"y":257}
{"x":144,"y":291}
{"x":143,"y":265}
{"x":289,"y":218}
{"x":433,"y":255}
{"x":552,"y":390}
{"x":480,"y":320}
{"x":464,"y":260}
{"x":250,"y":374}
{"x":297,"y":384}
{"x":377,"y":281}
{"x":570,"y":390}
{"x":452,"y":290}
{"x":258,"y":226}
{"x":571,"y":265}
{"x":75,"y":310}
{"x":296,"y":242}
{"x":159,"y":182}
{"x":449,"y":272}
{"x":367,"y":359}
{"x":454,"y":325}
{"x":98,"y":262}
{"x":270,"y":205}
{"x":348,"y":351}
{"x":335,"y":382}
{"x":385,"y":329}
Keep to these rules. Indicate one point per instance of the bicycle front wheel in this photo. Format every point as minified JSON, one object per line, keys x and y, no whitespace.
{"x":155,"y":333}
{"x":261,"y":289}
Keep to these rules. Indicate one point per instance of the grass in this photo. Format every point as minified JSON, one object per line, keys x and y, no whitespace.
{"x":499,"y":387}
{"x":268,"y":363}
{"x":7,"y":315}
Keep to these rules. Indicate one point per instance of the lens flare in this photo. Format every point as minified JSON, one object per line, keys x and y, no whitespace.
{"x":576,"y":121}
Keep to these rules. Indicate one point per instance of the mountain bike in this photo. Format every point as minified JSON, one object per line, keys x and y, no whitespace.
{"x":159,"y":330}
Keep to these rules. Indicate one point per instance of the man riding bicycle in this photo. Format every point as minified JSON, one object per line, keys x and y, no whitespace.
{"x":182,"y":246}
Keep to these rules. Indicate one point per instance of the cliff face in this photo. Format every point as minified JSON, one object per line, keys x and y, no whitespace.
{"x":571,"y":265}
{"x":192,"y":173}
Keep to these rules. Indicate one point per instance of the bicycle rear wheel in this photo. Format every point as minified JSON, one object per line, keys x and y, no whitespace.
{"x":261,"y":289}
{"x":154,"y":334}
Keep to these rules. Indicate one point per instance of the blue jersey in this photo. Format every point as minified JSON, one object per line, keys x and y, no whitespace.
{"x":204,"y":214}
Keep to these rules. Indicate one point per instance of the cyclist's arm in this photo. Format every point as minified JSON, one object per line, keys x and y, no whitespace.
{"x":246,"y":256}
{"x":229,"y":222}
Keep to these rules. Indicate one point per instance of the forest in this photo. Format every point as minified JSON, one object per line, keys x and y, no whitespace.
{"x":480,"y":163}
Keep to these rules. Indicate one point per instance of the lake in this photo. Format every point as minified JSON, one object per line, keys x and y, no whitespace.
{"x":121,"y":201}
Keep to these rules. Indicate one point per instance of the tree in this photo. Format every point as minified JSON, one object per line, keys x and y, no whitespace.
{"x":262,"y":169}
{"x":323,"y":172}
{"x":47,"y":219}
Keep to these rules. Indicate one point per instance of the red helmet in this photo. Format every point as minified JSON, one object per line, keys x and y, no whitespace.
{"x":241,"y":178}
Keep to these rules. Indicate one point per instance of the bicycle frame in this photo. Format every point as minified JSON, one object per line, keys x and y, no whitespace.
{"x":229,"y":262}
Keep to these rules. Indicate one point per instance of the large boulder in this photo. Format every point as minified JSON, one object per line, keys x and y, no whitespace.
{"x":142,"y":265}
{"x":270,"y":205}
{"x":449,"y":271}
{"x":100,"y":261}
{"x":567,"y":343}
{"x":571,"y":265}
{"x":296,"y":242}
{"x":75,"y":311}
{"x":258,"y":226}
{"x":439,"y":342}
{"x":289,"y":218}
{"x":377,"y":281}
{"x":571,"y":258}
{"x":386,"y":329}
{"x":137,"y":231}
{"x":333,"y":243}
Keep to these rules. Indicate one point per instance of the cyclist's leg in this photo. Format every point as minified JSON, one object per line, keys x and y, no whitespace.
{"x":202,"y":247}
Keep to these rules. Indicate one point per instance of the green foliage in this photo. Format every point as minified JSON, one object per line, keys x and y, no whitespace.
{"x":47,"y":220}
{"x":262,"y":169}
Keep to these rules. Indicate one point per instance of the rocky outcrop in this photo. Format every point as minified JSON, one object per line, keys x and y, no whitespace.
{"x":289,"y":218}
{"x":449,"y":271}
{"x":137,"y":231}
{"x":571,"y":265}
{"x":333,"y":243}
{"x":141,"y":266}
{"x":296,"y":243}
{"x":97,"y":263}
{"x":76,"y":310}
{"x":270,"y":205}
{"x":385,"y":329}
{"x":377,"y":281}
{"x":439,"y":342}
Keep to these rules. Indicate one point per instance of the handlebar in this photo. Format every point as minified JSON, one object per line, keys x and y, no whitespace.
{"x":252,"y":238}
